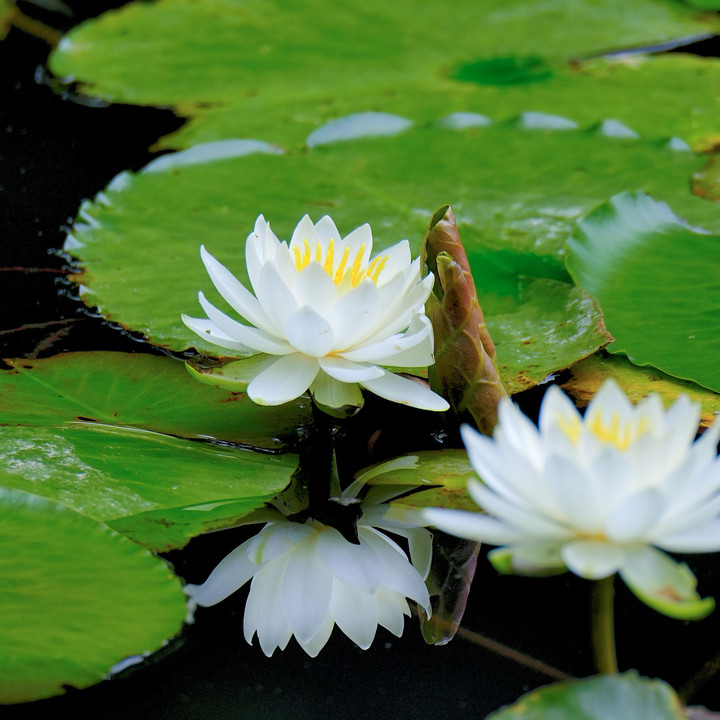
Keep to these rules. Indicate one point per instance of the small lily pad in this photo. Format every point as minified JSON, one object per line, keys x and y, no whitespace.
{"x":605,"y":697}
{"x":77,"y":598}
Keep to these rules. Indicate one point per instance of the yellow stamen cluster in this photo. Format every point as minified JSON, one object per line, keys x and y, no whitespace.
{"x":357,"y":273}
{"x":614,"y":432}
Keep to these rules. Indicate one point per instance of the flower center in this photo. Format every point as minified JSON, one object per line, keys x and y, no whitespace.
{"x":610,"y":431}
{"x":342,"y":267}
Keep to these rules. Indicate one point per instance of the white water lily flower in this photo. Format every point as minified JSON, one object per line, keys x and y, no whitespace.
{"x":307,"y":577}
{"x":326,"y":318}
{"x":597,"y":495}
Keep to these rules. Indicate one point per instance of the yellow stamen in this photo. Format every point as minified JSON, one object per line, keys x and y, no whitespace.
{"x":340,"y":272}
{"x":572,"y":427}
{"x":306,"y":254}
{"x":375,"y":274}
{"x":356,"y":276}
{"x":328,"y":264}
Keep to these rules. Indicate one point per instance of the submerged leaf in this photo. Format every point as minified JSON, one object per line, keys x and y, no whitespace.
{"x":465,"y":371}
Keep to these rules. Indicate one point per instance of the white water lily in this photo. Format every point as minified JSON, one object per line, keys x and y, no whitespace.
{"x":324,"y":316}
{"x":306,"y":578}
{"x":597,"y":495}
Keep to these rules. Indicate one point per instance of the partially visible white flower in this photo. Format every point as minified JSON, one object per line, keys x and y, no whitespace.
{"x":597,"y":495}
{"x":307,"y":577}
{"x":326,"y":318}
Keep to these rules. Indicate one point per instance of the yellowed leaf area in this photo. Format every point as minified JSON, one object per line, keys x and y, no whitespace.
{"x":637,"y":382}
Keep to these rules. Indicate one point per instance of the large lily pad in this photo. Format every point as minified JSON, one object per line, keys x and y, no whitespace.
{"x":637,"y":382}
{"x":139,"y":391}
{"x":77,"y":598}
{"x":159,"y":489}
{"x":605,"y":697}
{"x":515,"y":209}
{"x":657,"y":280}
{"x":254,"y":64}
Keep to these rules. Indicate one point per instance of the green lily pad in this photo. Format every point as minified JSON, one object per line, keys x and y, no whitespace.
{"x":159,"y":489}
{"x":607,"y":95}
{"x":7,"y":8}
{"x":515,"y":210}
{"x":604,"y":697}
{"x":637,"y":382}
{"x":257,"y":66}
{"x":77,"y":599}
{"x":140,"y":391}
{"x":657,"y":280}
{"x":445,"y":472}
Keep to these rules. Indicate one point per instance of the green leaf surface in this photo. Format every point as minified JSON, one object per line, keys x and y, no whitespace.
{"x":254,"y":68}
{"x":77,"y":599}
{"x":657,"y":280}
{"x":517,"y":194}
{"x":445,"y":472}
{"x":637,"y":382}
{"x":653,"y":97}
{"x":604,"y":697}
{"x":157,"y":488}
{"x":109,"y":473}
{"x":140,"y":391}
{"x":7,"y":8}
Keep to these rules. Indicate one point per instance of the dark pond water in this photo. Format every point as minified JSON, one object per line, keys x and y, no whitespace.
{"x":55,"y":152}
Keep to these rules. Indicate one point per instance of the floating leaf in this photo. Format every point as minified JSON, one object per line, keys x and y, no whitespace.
{"x":445,"y":472}
{"x":514,"y":208}
{"x":77,"y":598}
{"x":604,"y":697}
{"x":157,"y":488}
{"x":657,"y":280}
{"x":140,"y":391}
{"x":279,"y":72}
{"x":706,"y":181}
{"x":588,"y":375}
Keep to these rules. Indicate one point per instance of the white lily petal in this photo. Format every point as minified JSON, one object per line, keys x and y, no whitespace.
{"x":356,"y":565}
{"x":289,"y":377}
{"x":275,"y":296}
{"x":472,"y":526}
{"x":315,"y":288}
{"x":406,"y":392}
{"x":413,"y":348}
{"x":696,"y":539}
{"x":592,"y":560}
{"x":354,"y":315}
{"x":355,"y":613}
{"x":392,"y":609}
{"x":307,"y":589}
{"x":326,"y":229}
{"x":398,"y":257}
{"x":210,"y":332}
{"x":313,"y":646}
{"x":309,"y":333}
{"x":332,"y":393}
{"x":349,"y":372}
{"x":230,"y":575}
{"x":235,"y":294}
{"x":632,"y":519}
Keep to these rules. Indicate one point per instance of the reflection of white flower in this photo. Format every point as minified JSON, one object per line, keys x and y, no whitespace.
{"x":308,"y":577}
{"x":326,"y":318}
{"x":595,"y":494}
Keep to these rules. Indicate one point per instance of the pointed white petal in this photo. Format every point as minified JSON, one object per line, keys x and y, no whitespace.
{"x":406,"y":392}
{"x":392,"y":609}
{"x":354,"y":315}
{"x":306,"y":589}
{"x":231,"y":574}
{"x":326,"y":229}
{"x":235,"y":294}
{"x":315,"y":288}
{"x":289,"y":377}
{"x":309,"y":333}
{"x":632,"y":520}
{"x":398,"y":259}
{"x":211,"y":333}
{"x":313,"y":646}
{"x":349,"y":372}
{"x":355,"y":613}
{"x":413,"y":348}
{"x":696,"y":539}
{"x":275,"y":297}
{"x":305,"y":230}
{"x":592,"y":560}
{"x":356,"y":565}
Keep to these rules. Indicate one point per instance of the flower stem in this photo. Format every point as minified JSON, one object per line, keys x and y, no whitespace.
{"x":603,"y":625}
